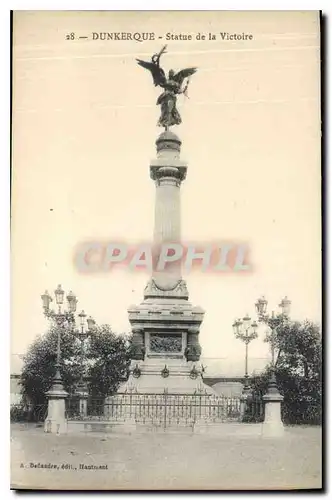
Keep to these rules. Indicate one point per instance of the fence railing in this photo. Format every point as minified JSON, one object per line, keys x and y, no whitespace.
{"x":166,"y":409}
{"x":155,"y":409}
{"x":254,"y":410}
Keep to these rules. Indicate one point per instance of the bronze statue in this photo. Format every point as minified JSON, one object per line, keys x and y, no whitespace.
{"x":172,"y":86}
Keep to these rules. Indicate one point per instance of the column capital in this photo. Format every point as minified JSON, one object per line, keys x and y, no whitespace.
{"x":163,"y":168}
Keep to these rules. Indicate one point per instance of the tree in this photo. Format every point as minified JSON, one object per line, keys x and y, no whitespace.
{"x":298,"y":370}
{"x":39,"y":365}
{"x":109,"y":354}
{"x":107,"y":363}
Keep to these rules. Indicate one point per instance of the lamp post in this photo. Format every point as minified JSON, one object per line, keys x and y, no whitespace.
{"x":86,"y":330}
{"x":55,"y":421}
{"x":273,"y":321}
{"x":245,"y":331}
{"x":272,"y":425}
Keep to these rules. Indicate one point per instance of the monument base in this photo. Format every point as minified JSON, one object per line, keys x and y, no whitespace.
{"x":56,"y":422}
{"x":157,"y":376}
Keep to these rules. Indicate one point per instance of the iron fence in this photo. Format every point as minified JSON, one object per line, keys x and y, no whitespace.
{"x":162,"y":410}
{"x":254,"y":410}
{"x":95,"y":408}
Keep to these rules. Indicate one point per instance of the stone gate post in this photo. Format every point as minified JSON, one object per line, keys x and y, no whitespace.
{"x":272,"y":425}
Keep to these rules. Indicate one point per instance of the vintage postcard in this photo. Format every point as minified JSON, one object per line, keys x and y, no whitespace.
{"x":166,"y":250}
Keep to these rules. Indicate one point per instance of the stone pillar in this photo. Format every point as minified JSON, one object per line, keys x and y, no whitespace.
{"x":272,"y":425}
{"x":168,"y":172}
{"x":193,"y":349}
{"x":56,"y":422}
{"x":137,"y":351}
{"x":83,"y":402}
{"x":167,"y":206}
{"x":246,"y":393}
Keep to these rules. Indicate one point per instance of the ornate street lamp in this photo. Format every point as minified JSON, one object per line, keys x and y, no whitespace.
{"x":61,"y":318}
{"x":82,"y":317}
{"x":273,"y":425}
{"x":59,"y":294}
{"x":285,"y":306}
{"x":83,"y":334}
{"x":91,"y":323}
{"x":246,"y":331}
{"x":47,"y":299}
{"x":261,"y":306}
{"x":72,"y":301}
{"x":273,"y":321}
{"x":55,"y":421}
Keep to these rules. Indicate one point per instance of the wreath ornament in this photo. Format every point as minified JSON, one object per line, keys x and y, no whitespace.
{"x":165,"y":372}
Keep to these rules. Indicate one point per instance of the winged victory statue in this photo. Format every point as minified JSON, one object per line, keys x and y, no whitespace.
{"x":172,"y":85}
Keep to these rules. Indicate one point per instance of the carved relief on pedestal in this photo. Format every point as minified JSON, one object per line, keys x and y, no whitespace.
{"x":165,"y":343}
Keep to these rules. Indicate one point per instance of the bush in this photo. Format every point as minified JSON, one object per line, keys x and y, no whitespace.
{"x":28,"y":413}
{"x":106,"y":364}
{"x":18,"y":413}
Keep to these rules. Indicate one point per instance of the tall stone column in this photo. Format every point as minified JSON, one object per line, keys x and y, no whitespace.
{"x":168,"y":172}
{"x":167,"y":206}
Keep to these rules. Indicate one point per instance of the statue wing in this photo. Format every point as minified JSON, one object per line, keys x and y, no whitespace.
{"x":184,"y":73}
{"x":158,"y":74}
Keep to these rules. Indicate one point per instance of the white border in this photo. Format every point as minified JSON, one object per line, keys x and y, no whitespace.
{"x":5,"y":146}
{"x":243,"y":5}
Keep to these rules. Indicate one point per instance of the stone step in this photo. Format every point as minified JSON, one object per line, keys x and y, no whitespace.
{"x":221,"y":428}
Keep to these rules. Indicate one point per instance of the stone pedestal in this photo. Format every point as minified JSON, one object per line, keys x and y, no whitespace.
{"x":272,"y":425}
{"x":83,"y":401}
{"x":165,"y":375}
{"x":246,"y":393}
{"x":167,"y":355}
{"x":56,"y":422}
{"x":243,"y":405}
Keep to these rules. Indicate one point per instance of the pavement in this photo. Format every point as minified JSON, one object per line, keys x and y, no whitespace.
{"x":162,"y":460}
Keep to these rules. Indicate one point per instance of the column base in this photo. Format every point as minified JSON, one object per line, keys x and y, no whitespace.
{"x":56,"y":422}
{"x":272,"y":425}
{"x":272,"y":429}
{"x":58,"y":426}
{"x":243,"y":406}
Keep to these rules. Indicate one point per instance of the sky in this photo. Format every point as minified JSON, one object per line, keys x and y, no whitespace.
{"x":84,"y":131}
